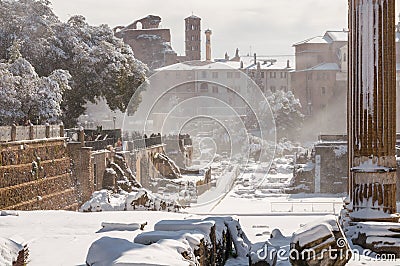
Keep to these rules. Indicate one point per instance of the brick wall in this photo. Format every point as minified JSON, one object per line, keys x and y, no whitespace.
{"x":44,"y":174}
{"x":36,"y":174}
{"x":81,"y":170}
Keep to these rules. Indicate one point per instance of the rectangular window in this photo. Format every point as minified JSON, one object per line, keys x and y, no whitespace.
{"x":309,"y":109}
{"x":309,"y":76}
{"x":323,"y":91}
{"x":237,"y":75}
{"x":262,"y":75}
{"x":203,"y":74}
{"x":309,"y":95}
{"x":214,"y":89}
{"x":215,"y":75}
{"x":229,"y":75}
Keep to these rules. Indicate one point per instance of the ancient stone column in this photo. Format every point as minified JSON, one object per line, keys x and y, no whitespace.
{"x":372,"y":109}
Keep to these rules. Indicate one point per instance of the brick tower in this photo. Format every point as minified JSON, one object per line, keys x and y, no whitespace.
{"x":192,"y":38}
{"x":372,"y":110}
{"x":208,"y":33}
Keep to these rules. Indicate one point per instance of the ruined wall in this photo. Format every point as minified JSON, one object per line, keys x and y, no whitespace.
{"x":99,"y":165}
{"x":151,"y":46}
{"x":333,"y":166}
{"x":81,"y":169}
{"x":36,"y":174}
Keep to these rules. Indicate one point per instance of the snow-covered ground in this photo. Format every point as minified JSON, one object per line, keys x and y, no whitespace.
{"x":64,"y":238}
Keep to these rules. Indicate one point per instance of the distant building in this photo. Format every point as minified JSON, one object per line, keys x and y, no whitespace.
{"x":192,"y":38}
{"x":152,"y":44}
{"x":271,"y":73}
{"x":319,"y":80}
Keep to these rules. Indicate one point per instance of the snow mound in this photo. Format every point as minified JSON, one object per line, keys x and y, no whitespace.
{"x":9,"y":213}
{"x":106,"y":227}
{"x":193,"y":238}
{"x":142,"y":200}
{"x":176,"y":225}
{"x":108,"y":251}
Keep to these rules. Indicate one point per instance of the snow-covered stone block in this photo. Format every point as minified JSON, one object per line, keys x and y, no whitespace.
{"x":320,"y":243}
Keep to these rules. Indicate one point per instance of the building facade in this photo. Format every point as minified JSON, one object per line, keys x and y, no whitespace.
{"x":319,"y":81}
{"x":151,"y":44}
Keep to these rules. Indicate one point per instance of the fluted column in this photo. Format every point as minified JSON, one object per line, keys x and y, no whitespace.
{"x":372,"y":105}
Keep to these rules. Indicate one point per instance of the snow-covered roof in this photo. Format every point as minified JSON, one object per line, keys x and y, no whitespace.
{"x":329,"y":37}
{"x":267,"y":63}
{"x":316,"y":39}
{"x":174,"y":67}
{"x":334,"y":36}
{"x":337,"y":36}
{"x":192,"y":16}
{"x":324,"y":67}
{"x":279,"y":63}
{"x":216,"y":66}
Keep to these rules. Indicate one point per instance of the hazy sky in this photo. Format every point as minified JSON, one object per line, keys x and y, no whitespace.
{"x":268,"y":27}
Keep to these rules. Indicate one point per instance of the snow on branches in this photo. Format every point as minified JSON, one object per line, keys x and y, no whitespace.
{"x":26,"y":96}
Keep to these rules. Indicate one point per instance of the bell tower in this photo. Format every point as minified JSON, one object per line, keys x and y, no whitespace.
{"x":192,"y":38}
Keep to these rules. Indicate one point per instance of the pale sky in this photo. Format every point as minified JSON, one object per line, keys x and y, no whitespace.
{"x":268,"y":27}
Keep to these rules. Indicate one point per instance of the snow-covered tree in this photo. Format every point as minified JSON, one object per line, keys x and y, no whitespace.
{"x":26,"y":96}
{"x":286,"y":110}
{"x":101,"y":65}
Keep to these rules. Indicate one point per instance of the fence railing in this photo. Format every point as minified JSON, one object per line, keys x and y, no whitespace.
{"x":139,"y":144}
{"x":313,"y":207}
{"x":18,"y":133}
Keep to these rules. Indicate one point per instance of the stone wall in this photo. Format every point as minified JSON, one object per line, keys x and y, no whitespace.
{"x":331,"y":161}
{"x":40,"y":171}
{"x":36,"y":174}
{"x":81,"y":169}
{"x":99,"y":165}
